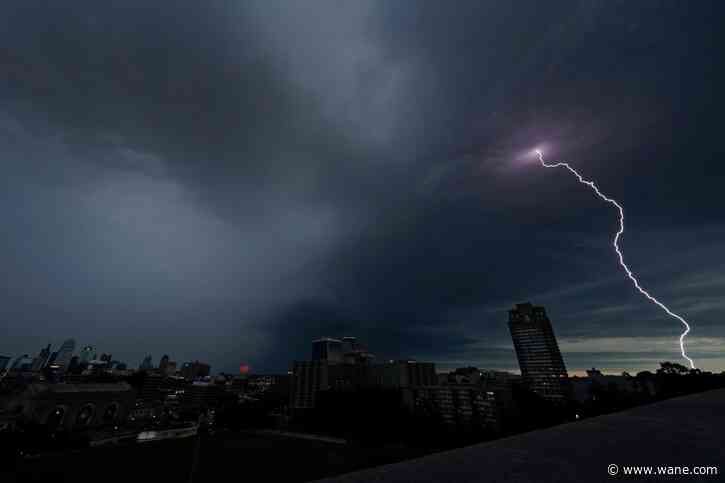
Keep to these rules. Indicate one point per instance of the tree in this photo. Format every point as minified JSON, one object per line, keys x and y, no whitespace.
{"x":672,"y":368}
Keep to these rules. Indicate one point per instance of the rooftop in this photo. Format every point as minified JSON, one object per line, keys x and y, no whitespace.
{"x":685,"y":431}
{"x":83,"y":387}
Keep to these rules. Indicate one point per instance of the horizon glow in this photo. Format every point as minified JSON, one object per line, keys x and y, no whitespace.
{"x":615,"y":243}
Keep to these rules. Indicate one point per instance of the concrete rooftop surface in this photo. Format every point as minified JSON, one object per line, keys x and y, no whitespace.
{"x":685,"y":431}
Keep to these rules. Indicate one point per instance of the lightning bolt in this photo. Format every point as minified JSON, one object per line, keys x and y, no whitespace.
{"x":615,"y":243}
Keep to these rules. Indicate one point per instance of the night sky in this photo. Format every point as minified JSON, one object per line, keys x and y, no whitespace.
{"x":227,"y":181}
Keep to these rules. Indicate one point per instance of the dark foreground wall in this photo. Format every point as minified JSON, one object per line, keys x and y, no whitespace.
{"x":686,"y":431}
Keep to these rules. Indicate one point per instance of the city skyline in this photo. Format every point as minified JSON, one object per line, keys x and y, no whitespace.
{"x":227,"y":182}
{"x":529,"y":326}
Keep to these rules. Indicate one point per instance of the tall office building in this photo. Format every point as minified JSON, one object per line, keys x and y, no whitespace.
{"x":65,"y":353}
{"x":147,"y":364}
{"x":542,"y":366}
{"x":4,"y":361}
{"x":163,"y":364}
{"x":170,"y":368}
{"x":308,"y":378}
{"x":88,"y":354}
{"x":106,"y":361}
{"x":327,"y":349}
{"x":41,"y":360}
{"x":74,"y":366}
{"x":22,"y":363}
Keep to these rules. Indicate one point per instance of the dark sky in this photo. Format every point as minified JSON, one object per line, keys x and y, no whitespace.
{"x":228,"y":180}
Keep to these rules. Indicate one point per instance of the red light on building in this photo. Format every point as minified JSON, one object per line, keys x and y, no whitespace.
{"x":244,"y":369}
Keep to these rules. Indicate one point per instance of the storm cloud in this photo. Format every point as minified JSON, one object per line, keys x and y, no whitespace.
{"x":225,"y":181}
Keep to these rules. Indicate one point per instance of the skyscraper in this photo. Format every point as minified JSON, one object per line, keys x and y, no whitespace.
{"x":88,"y":353}
{"x":163,"y":364}
{"x":65,"y":353}
{"x":170,"y":368}
{"x":74,"y":366}
{"x":308,"y":377}
{"x":22,"y":363}
{"x":542,"y":366}
{"x":106,"y":360}
{"x":146,"y":364}
{"x":4,"y":361}
{"x":41,"y":360}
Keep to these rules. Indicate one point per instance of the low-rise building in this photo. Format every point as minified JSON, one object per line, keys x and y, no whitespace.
{"x":404,"y":373}
{"x":74,"y":407}
{"x":459,"y":406}
{"x":202,"y":395}
{"x":192,"y":371}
